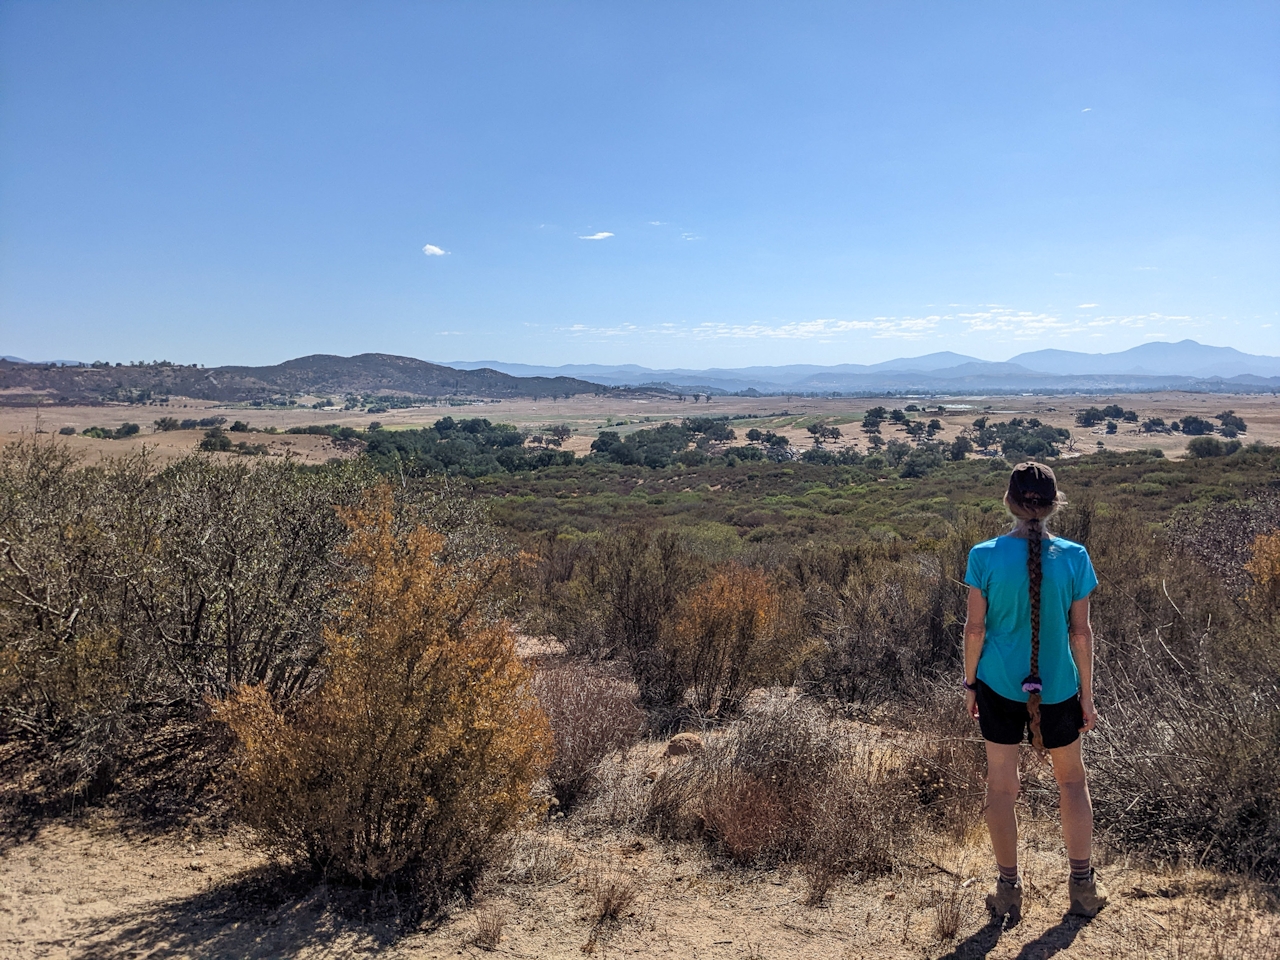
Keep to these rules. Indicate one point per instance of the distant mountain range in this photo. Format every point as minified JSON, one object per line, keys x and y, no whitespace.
{"x":1151,"y":366}
{"x":1185,"y":365}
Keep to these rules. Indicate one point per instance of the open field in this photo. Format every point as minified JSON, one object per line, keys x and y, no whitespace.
{"x":587,"y":415}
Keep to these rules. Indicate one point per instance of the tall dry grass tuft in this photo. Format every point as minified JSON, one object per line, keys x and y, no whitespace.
{"x":591,"y":715}
{"x":423,"y":741}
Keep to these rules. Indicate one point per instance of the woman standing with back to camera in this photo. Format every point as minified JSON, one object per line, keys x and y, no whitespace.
{"x":1028,"y":673}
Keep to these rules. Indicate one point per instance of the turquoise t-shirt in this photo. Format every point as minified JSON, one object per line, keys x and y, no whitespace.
{"x":999,"y":569}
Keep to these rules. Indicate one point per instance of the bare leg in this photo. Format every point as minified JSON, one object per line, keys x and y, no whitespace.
{"x":1002,"y":791}
{"x":1074,"y":805}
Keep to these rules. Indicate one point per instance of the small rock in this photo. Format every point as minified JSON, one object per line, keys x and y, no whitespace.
{"x":195,"y":865}
{"x":652,"y":775}
{"x":684,"y":743}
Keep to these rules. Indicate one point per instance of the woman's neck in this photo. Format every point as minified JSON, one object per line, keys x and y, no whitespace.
{"x":1022,"y":528}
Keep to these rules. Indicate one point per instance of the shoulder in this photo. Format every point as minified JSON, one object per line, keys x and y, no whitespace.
{"x":1074,"y":554}
{"x":985,"y":547}
{"x":1069,"y":548}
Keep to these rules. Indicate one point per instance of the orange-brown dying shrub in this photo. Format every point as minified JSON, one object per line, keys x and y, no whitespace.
{"x":422,"y":742}
{"x":730,"y":636}
{"x":1264,"y":568}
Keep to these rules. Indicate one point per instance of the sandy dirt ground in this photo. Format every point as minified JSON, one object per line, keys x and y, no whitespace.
{"x":87,"y":889}
{"x":588,"y":415}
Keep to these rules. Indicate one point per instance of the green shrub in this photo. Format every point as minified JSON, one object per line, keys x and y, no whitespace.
{"x":1202,"y":447}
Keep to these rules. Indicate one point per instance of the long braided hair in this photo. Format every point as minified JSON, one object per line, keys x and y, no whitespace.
{"x":1033,"y":496}
{"x":1035,"y":577}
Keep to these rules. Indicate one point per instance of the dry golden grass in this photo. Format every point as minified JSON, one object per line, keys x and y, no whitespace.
{"x":586,"y":415}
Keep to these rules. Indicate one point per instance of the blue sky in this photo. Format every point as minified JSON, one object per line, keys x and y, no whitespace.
{"x":673,"y":184}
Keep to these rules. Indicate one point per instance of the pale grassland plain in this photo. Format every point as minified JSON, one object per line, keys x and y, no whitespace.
{"x":588,"y":415}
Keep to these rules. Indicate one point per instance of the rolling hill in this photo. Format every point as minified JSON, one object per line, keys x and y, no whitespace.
{"x":317,"y":375}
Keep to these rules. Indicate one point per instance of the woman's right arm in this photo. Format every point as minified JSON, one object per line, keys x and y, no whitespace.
{"x":975,"y":634}
{"x":1081,"y":641}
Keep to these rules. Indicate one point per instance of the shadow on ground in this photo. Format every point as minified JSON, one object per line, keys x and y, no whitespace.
{"x":1054,"y":940}
{"x":267,"y":912}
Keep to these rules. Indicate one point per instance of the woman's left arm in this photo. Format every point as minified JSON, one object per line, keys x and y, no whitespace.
{"x":1081,"y":638}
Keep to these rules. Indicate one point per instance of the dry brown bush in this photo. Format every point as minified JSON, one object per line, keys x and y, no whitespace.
{"x":887,"y":619}
{"x":789,"y":783}
{"x":731,"y":635}
{"x":591,"y":716}
{"x":128,"y":593}
{"x":422,"y":743}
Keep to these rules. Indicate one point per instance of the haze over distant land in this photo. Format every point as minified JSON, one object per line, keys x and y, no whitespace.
{"x":1141,"y":367}
{"x":1186,"y":365}
{"x":704,"y":186}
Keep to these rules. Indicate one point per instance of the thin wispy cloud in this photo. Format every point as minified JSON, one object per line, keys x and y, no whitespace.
{"x":602,"y":235}
{"x":1004,"y":324}
{"x":1087,"y":110}
{"x":993,"y":322}
{"x":1086,"y":306}
{"x":431,"y":250}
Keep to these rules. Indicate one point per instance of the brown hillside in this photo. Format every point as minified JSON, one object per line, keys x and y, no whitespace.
{"x":318,"y":374}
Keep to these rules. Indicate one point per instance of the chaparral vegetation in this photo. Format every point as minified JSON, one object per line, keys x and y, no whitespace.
{"x":329,"y":653}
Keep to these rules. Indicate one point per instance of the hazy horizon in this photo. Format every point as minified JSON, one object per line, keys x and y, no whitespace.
{"x":670,"y":186}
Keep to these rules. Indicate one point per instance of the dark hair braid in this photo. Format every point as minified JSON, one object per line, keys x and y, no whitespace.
{"x":1032,"y":685}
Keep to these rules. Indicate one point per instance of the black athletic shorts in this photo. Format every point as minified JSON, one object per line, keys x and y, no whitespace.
{"x":1006,"y":721}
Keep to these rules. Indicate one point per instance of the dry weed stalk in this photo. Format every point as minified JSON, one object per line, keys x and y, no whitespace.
{"x":948,"y":912}
{"x":612,"y":894}
{"x":490,"y":922}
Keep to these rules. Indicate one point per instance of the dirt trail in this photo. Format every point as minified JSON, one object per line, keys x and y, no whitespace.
{"x":86,"y":889}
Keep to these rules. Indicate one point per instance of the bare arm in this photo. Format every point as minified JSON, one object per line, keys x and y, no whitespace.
{"x":975,"y":634}
{"x":1081,"y":637}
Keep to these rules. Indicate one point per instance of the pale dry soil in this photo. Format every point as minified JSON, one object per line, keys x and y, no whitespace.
{"x":587,"y":415}
{"x":86,"y":888}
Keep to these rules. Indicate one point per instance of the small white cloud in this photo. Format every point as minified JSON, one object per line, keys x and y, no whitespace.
{"x":448,"y":333}
{"x":1086,"y":306}
{"x":657,"y":223}
{"x":602,"y":235}
{"x":431,"y":250}
{"x":689,"y":236}
{"x":1087,"y":110}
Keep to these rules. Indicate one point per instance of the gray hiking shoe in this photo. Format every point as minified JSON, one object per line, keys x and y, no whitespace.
{"x":1087,"y":897}
{"x":1006,"y":901}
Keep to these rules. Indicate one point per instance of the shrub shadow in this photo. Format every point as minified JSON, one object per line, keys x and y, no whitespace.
{"x":267,"y":912}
